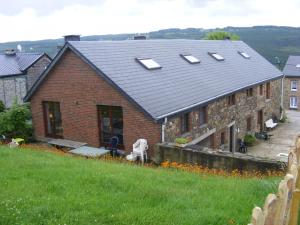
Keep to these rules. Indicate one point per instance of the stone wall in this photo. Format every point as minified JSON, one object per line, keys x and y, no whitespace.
{"x":220,"y":116}
{"x":36,"y":70}
{"x":15,"y":87}
{"x":213,"y":159}
{"x":12,"y":88}
{"x":287,"y":92}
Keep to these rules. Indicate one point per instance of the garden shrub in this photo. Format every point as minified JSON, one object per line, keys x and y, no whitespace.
{"x":2,"y":107}
{"x":16,"y":122}
{"x":181,"y":140}
{"x":283,"y":119}
{"x":249,"y":139}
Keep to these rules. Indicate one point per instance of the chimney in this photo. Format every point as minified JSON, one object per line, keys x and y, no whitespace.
{"x":139,"y":37}
{"x":72,"y":37}
{"x":10,"y":52}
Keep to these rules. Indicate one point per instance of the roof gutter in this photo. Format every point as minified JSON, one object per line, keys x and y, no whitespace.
{"x":215,"y":98}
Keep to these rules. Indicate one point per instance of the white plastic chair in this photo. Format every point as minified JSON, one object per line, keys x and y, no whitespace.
{"x":140,"y":148}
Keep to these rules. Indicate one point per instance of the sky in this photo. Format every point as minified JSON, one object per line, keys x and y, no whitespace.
{"x":47,"y":19}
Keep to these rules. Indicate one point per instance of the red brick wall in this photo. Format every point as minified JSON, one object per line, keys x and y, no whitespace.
{"x":73,"y":80}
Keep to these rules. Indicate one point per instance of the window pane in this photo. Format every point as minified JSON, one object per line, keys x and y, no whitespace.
{"x":293,"y":102}
{"x":117,"y":123}
{"x":57,"y":119}
{"x":185,"y":123}
{"x":202,"y":115}
{"x":245,"y":55}
{"x":293,"y":85}
{"x":222,"y":138}
{"x":217,"y":56}
{"x":149,"y":63}
{"x":191,"y":59}
{"x":53,"y":121}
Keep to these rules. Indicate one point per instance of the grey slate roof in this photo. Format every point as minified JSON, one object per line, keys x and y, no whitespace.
{"x":17,"y":64}
{"x":290,"y":68}
{"x":178,"y":85}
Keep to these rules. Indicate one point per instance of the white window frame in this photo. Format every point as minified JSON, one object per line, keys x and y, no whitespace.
{"x":149,"y":63}
{"x":216,"y":56}
{"x":293,"y":102}
{"x":245,"y":55}
{"x":190,"y":58}
{"x":294,"y":83}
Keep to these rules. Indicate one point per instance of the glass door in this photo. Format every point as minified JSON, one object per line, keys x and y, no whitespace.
{"x":110,"y":124}
{"x":52,"y":117}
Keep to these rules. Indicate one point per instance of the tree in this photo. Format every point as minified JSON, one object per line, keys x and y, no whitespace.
{"x":2,"y":106}
{"x":221,"y":35}
{"x":15,"y":122}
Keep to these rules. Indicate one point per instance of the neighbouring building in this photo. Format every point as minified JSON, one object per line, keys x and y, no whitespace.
{"x":18,"y":72}
{"x":212,"y":92}
{"x":291,"y":90}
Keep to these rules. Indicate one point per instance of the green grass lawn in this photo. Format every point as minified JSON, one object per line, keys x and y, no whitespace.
{"x":41,"y":187}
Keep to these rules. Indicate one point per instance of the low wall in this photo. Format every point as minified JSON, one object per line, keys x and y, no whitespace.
{"x":214,"y":159}
{"x":282,"y":208}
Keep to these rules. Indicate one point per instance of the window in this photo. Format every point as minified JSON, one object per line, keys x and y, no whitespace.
{"x":294,"y":85}
{"x":231,"y":100}
{"x":244,"y":54}
{"x":203,"y":115}
{"x":52,"y":118}
{"x":261,"y":89}
{"x":298,"y":66}
{"x":268,"y":93}
{"x":293,"y":102}
{"x":223,"y":138}
{"x":185,"y":123}
{"x":190,"y":58}
{"x":149,"y":63}
{"x":249,"y":92}
{"x":216,"y":56}
{"x":249,"y":123}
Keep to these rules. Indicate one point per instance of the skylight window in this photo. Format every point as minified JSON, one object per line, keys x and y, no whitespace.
{"x":216,"y":56}
{"x":245,"y":55}
{"x":190,"y":58}
{"x":149,"y":63}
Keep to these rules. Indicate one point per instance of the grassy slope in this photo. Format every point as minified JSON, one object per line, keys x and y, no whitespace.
{"x":40,"y":187}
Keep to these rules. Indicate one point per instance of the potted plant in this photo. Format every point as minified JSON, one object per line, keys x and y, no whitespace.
{"x":249,"y":139}
{"x":181,"y":142}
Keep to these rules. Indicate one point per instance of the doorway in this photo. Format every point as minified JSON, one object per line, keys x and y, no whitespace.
{"x":110,"y":124}
{"x":260,"y":120}
{"x":231,"y":138}
{"x":52,"y":119}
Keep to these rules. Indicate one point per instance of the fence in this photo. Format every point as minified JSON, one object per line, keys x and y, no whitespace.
{"x":282,"y":209}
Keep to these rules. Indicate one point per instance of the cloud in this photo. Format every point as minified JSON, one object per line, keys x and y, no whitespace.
{"x":33,"y":20}
{"x":13,"y":7}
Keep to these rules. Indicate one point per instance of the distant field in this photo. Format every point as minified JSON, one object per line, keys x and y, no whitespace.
{"x":40,"y":187}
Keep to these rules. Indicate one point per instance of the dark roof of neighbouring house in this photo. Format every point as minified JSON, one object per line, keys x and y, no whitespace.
{"x":178,"y":85}
{"x":290,"y":68}
{"x":18,"y":63}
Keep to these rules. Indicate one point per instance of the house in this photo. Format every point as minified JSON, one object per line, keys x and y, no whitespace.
{"x":212,"y":92}
{"x":18,"y":72}
{"x":291,"y":90}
